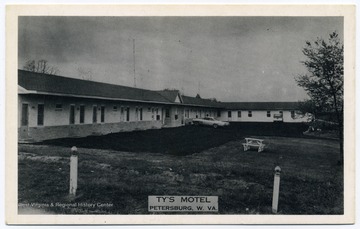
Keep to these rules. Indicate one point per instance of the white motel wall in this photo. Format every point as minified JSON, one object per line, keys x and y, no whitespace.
{"x":98,"y":117}
{"x":102,"y":117}
{"x":58,"y":120}
{"x":58,"y":107}
{"x":57,"y":111}
{"x":289,"y":116}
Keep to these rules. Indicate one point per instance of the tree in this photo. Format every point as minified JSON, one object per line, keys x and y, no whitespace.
{"x":308,"y":107}
{"x":325,"y":79}
{"x":40,"y":66}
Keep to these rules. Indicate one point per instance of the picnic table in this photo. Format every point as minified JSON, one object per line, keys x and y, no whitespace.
{"x":254,"y":142}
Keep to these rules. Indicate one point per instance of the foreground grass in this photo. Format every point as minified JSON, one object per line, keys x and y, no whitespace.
{"x":180,"y":140}
{"x":311,"y":183}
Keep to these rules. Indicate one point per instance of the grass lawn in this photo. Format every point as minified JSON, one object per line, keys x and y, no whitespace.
{"x":180,"y":141}
{"x":123,"y":169}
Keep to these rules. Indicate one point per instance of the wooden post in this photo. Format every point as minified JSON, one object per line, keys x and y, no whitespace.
{"x":276,"y":189}
{"x":73,"y":171}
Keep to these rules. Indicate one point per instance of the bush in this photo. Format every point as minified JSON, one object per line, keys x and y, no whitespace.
{"x":319,"y":124}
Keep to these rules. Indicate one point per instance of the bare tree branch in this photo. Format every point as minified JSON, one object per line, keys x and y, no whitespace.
{"x":40,"y":66}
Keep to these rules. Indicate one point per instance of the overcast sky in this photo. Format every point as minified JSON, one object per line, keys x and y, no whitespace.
{"x":229,"y":58}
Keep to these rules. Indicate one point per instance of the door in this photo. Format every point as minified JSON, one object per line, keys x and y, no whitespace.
{"x":72,"y":114}
{"x":128,"y":114}
{"x":167,"y":119}
{"x":24,"y":125}
{"x":94,"y":114}
{"x":82,"y":114}
{"x":137,"y":114}
{"x":229,"y":115}
{"x":102,"y":114}
{"x":122,"y":117}
{"x":182,"y":114}
{"x":40,"y":116}
{"x":163,"y":115}
{"x":72,"y":128}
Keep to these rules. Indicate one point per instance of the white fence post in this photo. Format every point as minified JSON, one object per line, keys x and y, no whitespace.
{"x":73,"y":171}
{"x":276,"y":189}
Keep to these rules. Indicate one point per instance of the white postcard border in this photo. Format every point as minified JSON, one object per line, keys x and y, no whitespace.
{"x":12,"y":12}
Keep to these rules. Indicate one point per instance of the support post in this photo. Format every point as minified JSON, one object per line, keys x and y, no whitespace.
{"x":73,"y":171}
{"x":276,"y":190}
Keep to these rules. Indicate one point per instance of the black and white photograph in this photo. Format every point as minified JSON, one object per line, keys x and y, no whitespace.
{"x":168,"y":115}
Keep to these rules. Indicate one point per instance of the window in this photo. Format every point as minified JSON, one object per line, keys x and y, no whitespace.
{"x":82,"y":113}
{"x":292,"y":114}
{"x":94,"y":114}
{"x":176,"y":116}
{"x":229,"y":114}
{"x":102,"y":115}
{"x":128,"y":114}
{"x":239,"y":114}
{"x":40,"y":116}
{"x":141,"y":114}
{"x":218,"y":113}
{"x":268,"y":114}
{"x":136,"y":114}
{"x":58,"y":107}
{"x":72,"y":114}
{"x":250,"y":114}
{"x":167,"y":113}
{"x":114,"y":108}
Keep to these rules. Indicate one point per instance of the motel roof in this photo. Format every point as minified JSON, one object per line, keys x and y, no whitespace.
{"x":170,"y":95}
{"x":201,"y":101}
{"x":39,"y":83}
{"x":261,"y":105}
{"x":59,"y":85}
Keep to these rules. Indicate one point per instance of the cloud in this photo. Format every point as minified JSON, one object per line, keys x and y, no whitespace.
{"x":233,"y":58}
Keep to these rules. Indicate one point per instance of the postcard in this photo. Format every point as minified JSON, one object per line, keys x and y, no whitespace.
{"x":180,"y":114}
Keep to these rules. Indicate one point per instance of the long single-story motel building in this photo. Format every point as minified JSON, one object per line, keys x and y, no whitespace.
{"x":53,"y":106}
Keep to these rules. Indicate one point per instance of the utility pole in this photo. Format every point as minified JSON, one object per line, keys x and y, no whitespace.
{"x":134,"y":62}
{"x":199,"y":88}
